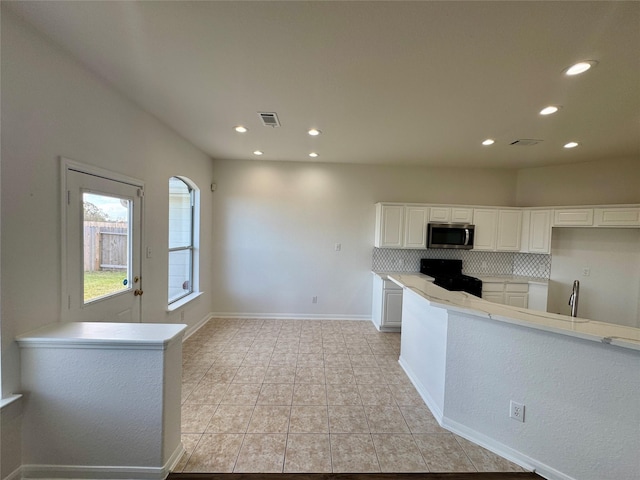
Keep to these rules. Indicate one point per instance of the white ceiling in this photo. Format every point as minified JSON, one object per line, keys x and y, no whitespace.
{"x":413,"y":83}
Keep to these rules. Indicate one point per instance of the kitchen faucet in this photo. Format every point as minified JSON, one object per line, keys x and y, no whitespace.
{"x":573,"y":299}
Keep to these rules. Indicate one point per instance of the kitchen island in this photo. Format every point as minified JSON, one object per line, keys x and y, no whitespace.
{"x":578,"y":379}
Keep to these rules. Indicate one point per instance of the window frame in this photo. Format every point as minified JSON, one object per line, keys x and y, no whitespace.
{"x":192,"y":247}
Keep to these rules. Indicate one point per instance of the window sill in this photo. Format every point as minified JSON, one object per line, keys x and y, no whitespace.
{"x":4,"y":402}
{"x":183,"y":301}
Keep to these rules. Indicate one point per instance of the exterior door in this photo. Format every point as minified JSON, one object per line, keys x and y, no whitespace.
{"x":102,"y":280}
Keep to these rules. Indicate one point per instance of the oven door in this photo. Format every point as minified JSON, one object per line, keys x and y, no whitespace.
{"x":450,"y":235}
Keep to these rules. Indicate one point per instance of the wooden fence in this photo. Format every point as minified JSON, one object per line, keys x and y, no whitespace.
{"x":105,"y":246}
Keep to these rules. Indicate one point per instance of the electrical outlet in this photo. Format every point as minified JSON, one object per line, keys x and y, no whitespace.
{"x":484,"y":266}
{"x":314,"y":300}
{"x":542,"y":270}
{"x":338,"y":247}
{"x":586,"y":271}
{"x":516,"y":411}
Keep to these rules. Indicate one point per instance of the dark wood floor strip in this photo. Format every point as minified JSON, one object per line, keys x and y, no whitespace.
{"x":355,"y":476}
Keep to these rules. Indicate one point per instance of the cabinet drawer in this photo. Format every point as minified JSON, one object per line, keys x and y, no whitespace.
{"x":517,"y":287}
{"x":492,"y":287}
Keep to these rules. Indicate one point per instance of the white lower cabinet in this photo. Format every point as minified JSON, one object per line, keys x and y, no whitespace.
{"x":513,"y":294}
{"x":386,"y":312}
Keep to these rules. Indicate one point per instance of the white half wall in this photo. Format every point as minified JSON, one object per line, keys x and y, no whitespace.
{"x":276,"y":226}
{"x":610,"y":293}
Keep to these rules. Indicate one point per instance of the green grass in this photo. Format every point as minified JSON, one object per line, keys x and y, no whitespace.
{"x":97,"y":284}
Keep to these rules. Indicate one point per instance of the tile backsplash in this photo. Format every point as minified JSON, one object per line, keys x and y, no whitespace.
{"x":473,"y":262}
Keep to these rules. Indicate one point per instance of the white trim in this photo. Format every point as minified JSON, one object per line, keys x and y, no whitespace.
{"x":194,"y":328}
{"x":492,"y":445}
{"x":291,"y":316}
{"x":183,"y":301}
{"x":103,"y":472}
{"x":67,"y":165}
{"x":478,"y":438}
{"x":4,"y":402}
{"x":15,"y":475}
{"x":422,"y":391}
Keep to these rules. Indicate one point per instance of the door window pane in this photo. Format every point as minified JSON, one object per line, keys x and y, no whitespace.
{"x":106,"y":245}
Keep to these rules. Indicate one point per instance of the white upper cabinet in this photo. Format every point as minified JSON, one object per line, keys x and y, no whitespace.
{"x":416,"y":218}
{"x":497,"y":230}
{"x":440,"y":214}
{"x":461,"y":215}
{"x":536,"y":231}
{"x":527,"y":230}
{"x":509,"y":230}
{"x":389,"y":226}
{"x":401,"y":226}
{"x":486,"y":224}
{"x":451,"y":214}
{"x":617,"y":217}
{"x":573,"y":217}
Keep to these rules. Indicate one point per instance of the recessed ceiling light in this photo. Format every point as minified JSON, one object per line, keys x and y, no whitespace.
{"x":571,"y":145}
{"x":313,"y":154}
{"x":580,"y":67}
{"x":489,"y":141}
{"x":549,"y":110}
{"x":258,"y":152}
{"x":314,"y":132}
{"x":240,"y":129}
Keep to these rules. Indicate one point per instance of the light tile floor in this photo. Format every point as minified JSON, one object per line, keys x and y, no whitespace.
{"x":310,"y":396}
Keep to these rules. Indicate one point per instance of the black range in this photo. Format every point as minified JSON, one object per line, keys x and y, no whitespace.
{"x":448,"y":275}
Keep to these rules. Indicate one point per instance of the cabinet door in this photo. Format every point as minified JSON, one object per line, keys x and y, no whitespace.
{"x":461,"y":215}
{"x":509,"y":230}
{"x":540,"y":231}
{"x":617,"y":217}
{"x":494,"y":297}
{"x":440,"y":214}
{"x":392,"y":316}
{"x":573,"y":217}
{"x":516,"y":299}
{"x":415,"y":231}
{"x":389,"y":226}
{"x":485,"y":221}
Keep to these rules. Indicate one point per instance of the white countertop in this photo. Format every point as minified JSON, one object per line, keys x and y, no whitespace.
{"x":627,"y":337}
{"x":145,"y":336}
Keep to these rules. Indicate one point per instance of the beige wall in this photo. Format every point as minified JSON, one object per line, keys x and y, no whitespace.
{"x":276,"y":225}
{"x":604,"y":182}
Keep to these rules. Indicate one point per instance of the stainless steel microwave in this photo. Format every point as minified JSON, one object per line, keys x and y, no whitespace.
{"x":450,"y":235}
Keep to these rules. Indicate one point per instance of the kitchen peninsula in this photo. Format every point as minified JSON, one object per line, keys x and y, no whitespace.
{"x":470,"y":359}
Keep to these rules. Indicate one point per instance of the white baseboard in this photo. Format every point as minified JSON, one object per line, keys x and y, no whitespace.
{"x":15,"y":475}
{"x":478,"y":438}
{"x":56,"y":472}
{"x":194,"y":328}
{"x":422,"y":391}
{"x":289,"y":316}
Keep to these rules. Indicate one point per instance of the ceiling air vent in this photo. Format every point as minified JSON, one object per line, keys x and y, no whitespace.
{"x":525,"y":142}
{"x":269,"y":119}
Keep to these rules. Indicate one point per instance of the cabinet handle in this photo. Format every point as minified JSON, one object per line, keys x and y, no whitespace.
{"x":137,"y":293}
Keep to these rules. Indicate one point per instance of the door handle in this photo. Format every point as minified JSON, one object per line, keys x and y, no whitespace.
{"x":137,"y":292}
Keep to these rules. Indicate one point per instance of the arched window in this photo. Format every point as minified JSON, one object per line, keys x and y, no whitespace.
{"x":183,"y":238}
